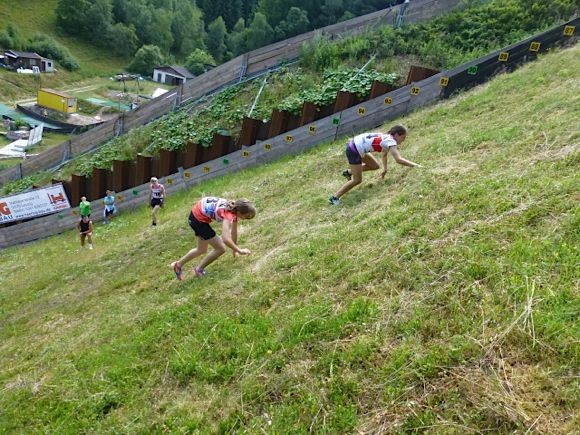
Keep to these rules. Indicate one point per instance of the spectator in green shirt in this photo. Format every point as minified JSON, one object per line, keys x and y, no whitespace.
{"x":84,"y":207}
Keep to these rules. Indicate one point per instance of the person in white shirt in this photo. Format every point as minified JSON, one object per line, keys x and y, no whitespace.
{"x":358,"y":153}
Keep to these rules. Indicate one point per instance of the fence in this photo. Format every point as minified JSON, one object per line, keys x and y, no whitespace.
{"x":227,"y":157}
{"x":249,"y":64}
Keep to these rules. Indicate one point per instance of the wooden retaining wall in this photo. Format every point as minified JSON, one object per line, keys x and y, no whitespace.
{"x":228,"y":157}
{"x":250,"y":64}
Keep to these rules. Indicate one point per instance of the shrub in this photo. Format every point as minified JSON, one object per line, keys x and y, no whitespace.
{"x":48,"y":47}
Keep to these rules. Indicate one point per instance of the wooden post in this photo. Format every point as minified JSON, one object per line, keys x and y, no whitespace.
{"x":309,"y":111}
{"x":278,"y":123}
{"x":167,"y":162}
{"x":192,"y":155}
{"x":78,"y":188}
{"x":380,"y":88}
{"x":143,"y":169}
{"x":249,"y":132}
{"x":344,"y":100}
{"x":98,"y":183}
{"x":120,"y":177}
{"x":418,"y":73}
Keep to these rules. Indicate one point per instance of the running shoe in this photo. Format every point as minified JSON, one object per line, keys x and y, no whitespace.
{"x":334,"y":200}
{"x":177,"y":269}
{"x":199,"y":272}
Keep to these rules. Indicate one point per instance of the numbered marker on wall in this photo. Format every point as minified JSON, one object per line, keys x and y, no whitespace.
{"x":444,"y":81}
{"x":206,"y":169}
{"x":312,"y":129}
{"x":569,"y":30}
{"x":186,"y":175}
{"x":289,"y":138}
{"x":388,"y":101}
{"x":472,"y":70}
{"x":120,"y":198}
{"x":267,"y":146}
{"x":503,"y":56}
{"x":135,"y":192}
{"x":335,"y":121}
{"x":361,"y":111}
{"x":225,"y":161}
{"x":245,"y":154}
{"x":535,"y":46}
{"x":169,"y":181}
{"x":415,"y":90}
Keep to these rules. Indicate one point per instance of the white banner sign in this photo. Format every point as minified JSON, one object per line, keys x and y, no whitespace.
{"x":35,"y":203}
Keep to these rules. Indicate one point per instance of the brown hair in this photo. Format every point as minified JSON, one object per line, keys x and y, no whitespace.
{"x":243,"y":206}
{"x":398,"y":129}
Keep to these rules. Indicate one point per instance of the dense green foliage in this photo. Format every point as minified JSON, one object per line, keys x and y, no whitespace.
{"x":441,"y":300}
{"x":447,"y":40}
{"x":178,"y":27}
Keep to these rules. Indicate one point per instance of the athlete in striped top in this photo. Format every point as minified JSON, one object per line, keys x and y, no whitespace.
{"x":358,"y":153}
{"x":220,"y":210}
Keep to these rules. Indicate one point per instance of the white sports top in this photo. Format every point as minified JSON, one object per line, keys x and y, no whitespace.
{"x":377,"y":142}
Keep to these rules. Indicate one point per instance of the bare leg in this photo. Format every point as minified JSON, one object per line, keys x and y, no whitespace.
{"x":195,"y":252}
{"x":369,"y":164}
{"x":154,"y":214}
{"x":218,"y":250}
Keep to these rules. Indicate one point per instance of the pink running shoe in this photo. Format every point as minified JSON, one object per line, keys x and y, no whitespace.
{"x":199,"y":272}
{"x":177,"y":269}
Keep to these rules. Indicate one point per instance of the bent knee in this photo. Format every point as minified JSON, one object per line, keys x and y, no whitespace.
{"x":220,"y":250}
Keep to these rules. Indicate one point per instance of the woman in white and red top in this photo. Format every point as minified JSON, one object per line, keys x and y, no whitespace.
{"x":156,"y":198}
{"x":358,"y":153}
{"x":205,"y":211}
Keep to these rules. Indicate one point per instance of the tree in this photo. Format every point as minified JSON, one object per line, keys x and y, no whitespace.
{"x":146,"y":58}
{"x":216,"y":39}
{"x":97,"y":21}
{"x":199,"y":61}
{"x":237,"y":40}
{"x":123,"y":39}
{"x":295,"y":23}
{"x":260,"y":33}
{"x":69,"y":13}
{"x":187,"y":28}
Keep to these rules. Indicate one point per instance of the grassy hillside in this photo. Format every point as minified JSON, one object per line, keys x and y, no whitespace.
{"x":442,"y":300}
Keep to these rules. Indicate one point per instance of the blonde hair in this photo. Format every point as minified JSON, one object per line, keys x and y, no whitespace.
{"x":243,"y":206}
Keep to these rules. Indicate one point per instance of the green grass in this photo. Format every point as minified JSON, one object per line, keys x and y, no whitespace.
{"x":38,"y":16}
{"x":442,"y":300}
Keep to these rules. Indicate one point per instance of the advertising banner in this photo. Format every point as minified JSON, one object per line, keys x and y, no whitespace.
{"x":35,"y":203}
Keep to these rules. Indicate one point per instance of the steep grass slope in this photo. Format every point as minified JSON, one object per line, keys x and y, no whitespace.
{"x":442,"y":300}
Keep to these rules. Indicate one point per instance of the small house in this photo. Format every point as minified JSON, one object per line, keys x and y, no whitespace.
{"x":26,"y":60}
{"x":171,"y":75}
{"x":56,"y":100}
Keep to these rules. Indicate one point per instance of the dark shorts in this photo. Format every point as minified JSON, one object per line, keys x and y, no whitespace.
{"x":157,"y":201}
{"x":110,"y":212}
{"x":352,"y":154}
{"x":201,"y":229}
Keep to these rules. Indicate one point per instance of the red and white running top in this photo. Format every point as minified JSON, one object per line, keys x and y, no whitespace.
{"x":211,"y":208}
{"x":157,"y":190}
{"x":377,"y":142}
